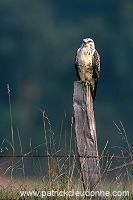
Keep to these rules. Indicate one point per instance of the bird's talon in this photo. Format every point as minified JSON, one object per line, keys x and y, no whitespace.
{"x":86,"y":82}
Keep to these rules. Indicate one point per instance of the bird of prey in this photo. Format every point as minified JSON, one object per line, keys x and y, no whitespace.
{"x":87,"y":65}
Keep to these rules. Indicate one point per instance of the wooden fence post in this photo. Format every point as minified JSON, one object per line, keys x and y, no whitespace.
{"x":85,"y":129}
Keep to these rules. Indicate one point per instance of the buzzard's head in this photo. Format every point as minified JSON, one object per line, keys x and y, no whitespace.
{"x":88,"y":42}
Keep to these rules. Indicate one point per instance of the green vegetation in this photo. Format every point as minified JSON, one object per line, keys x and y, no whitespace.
{"x":63,"y":179}
{"x":38,"y":41}
{"x":58,"y":176}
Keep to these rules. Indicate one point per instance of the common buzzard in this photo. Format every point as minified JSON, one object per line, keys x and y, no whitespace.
{"x":87,"y":64}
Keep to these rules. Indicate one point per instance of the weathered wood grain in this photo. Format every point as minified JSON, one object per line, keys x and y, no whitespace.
{"x":85,"y":129}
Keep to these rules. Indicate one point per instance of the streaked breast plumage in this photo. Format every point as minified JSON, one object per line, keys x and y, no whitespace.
{"x":87,"y":64}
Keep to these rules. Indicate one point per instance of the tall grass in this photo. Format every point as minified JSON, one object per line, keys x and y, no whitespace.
{"x":62,"y":173}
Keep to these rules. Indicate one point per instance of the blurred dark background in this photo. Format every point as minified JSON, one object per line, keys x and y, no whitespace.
{"x":38,"y":42}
